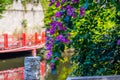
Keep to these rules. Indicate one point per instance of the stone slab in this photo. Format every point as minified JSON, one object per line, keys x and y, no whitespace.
{"x":115,"y":77}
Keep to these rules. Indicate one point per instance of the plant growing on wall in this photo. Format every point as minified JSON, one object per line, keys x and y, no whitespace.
{"x":44,"y":4}
{"x":3,"y":4}
{"x":24,"y":24}
{"x":24,"y":2}
{"x":91,"y":29}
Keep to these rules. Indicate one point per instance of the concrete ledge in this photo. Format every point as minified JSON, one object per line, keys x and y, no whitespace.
{"x":115,"y":77}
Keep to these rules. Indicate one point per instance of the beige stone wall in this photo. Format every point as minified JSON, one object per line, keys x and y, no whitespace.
{"x":12,"y":19}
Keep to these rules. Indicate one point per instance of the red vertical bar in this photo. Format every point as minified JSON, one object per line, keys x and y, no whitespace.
{"x":13,"y":77}
{"x":24,"y":39}
{"x":36,"y":38}
{"x":6,"y":76}
{"x":34,"y":52}
{"x":23,"y":74}
{"x":5,"y":40}
{"x":42,"y":68}
{"x":43,"y":38}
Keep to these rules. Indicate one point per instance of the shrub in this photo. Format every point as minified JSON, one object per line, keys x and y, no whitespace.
{"x":91,"y":28}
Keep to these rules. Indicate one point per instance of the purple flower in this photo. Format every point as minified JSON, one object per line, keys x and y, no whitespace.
{"x":69,"y":13}
{"x":47,"y":30}
{"x":59,"y":37}
{"x":52,"y":65}
{"x":62,"y":39}
{"x":62,"y":7}
{"x":70,"y":10}
{"x":82,"y":11}
{"x":118,"y":42}
{"x":53,"y":1}
{"x":50,"y":4}
{"x":58,"y":14}
{"x":56,"y":58}
{"x":57,"y":4}
{"x":53,"y":18}
{"x":52,"y":31}
{"x":75,"y":1}
{"x":47,"y":38}
{"x":49,"y":46}
{"x":48,"y":55}
{"x":74,"y":15}
{"x":65,"y":40}
{"x":51,"y":40}
{"x":59,"y":24}
{"x":60,"y":28}
{"x":63,"y":1}
{"x":68,"y":7}
{"x":64,"y":28}
{"x":98,"y":1}
{"x":53,"y":27}
{"x":67,"y":35}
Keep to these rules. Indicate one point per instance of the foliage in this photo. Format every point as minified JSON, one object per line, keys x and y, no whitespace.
{"x":63,"y":71}
{"x":24,"y":23}
{"x":91,"y":29}
{"x":33,"y":2}
{"x":3,"y":4}
{"x":95,"y":42}
{"x":44,"y":3}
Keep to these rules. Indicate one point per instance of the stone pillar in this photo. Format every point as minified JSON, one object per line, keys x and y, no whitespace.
{"x":32,"y":68}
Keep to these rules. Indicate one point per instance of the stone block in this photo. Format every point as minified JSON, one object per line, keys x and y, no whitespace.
{"x":32,"y":68}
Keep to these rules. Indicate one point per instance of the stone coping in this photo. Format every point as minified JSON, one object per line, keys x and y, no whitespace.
{"x":114,"y":77}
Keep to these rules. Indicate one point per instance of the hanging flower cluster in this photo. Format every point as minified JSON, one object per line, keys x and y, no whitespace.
{"x":57,"y":33}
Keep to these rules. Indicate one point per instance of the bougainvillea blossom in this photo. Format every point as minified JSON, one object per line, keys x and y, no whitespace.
{"x":48,"y":55}
{"x":118,"y":42}
{"x":82,"y":11}
{"x":52,"y":65}
{"x":75,"y":1}
{"x":58,"y":14}
{"x":57,"y":4}
{"x":59,"y":25}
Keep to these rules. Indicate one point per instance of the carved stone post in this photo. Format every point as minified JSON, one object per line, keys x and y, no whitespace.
{"x":32,"y":68}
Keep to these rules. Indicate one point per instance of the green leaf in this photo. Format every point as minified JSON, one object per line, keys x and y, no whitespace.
{"x":62,"y":47}
{"x":54,"y":71}
{"x":57,"y":54}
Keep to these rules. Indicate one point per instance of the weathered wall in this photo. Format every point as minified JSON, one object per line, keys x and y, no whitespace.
{"x":13,"y":17}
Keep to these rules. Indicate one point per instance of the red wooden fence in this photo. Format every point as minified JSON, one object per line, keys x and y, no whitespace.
{"x":5,"y":40}
{"x":11,"y":43}
{"x":18,"y":73}
{"x":21,"y":40}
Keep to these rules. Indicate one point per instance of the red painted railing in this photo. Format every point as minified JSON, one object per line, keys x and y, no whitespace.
{"x":18,"y":73}
{"x":11,"y":43}
{"x":16,"y":41}
{"x":15,"y":74}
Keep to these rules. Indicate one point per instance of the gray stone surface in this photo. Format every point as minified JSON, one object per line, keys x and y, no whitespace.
{"x":32,"y":68}
{"x":116,"y":77}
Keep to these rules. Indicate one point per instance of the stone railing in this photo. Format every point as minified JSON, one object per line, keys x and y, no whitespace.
{"x":115,"y":77}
